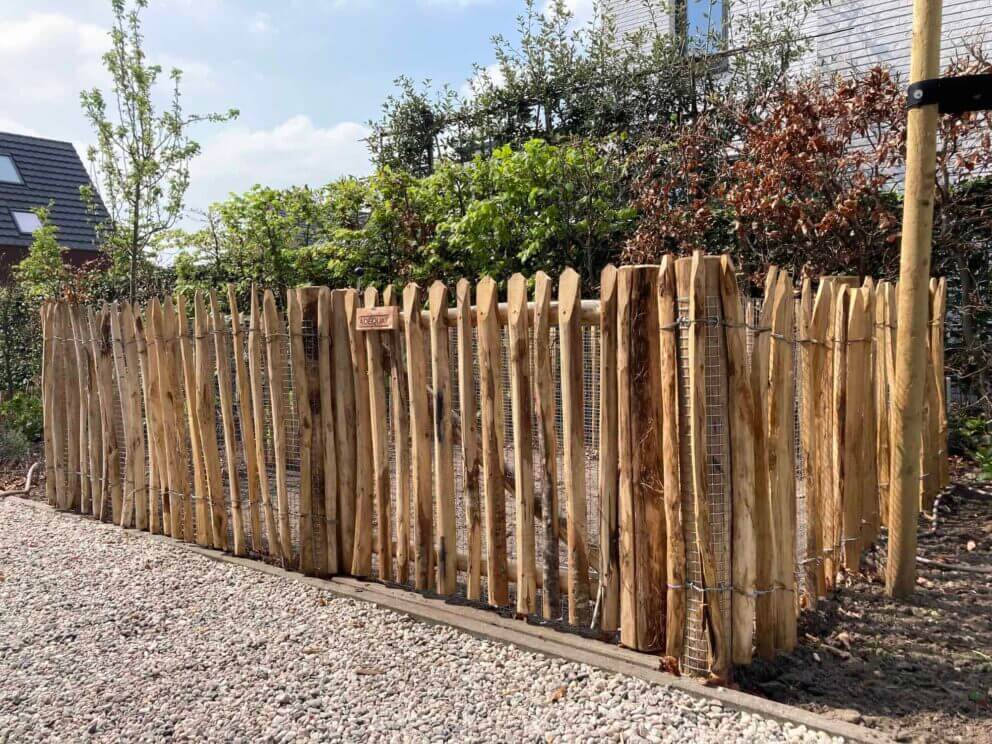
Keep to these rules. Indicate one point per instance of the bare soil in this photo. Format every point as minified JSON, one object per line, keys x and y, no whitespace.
{"x":921,"y":669}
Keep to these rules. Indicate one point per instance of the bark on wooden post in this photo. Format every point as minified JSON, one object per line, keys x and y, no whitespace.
{"x":523,"y":453}
{"x":420,"y":437}
{"x":206,"y":410}
{"x":492,"y":432}
{"x":444,"y":446}
{"x":378,"y":364}
{"x":325,"y":330}
{"x":301,"y":399}
{"x":400,"y":406}
{"x":200,"y":487}
{"x":344,"y":428}
{"x":469,"y":439}
{"x":742,"y":435}
{"x":135,"y":499}
{"x":276,"y":354}
{"x":105,"y":382}
{"x":817,"y":422}
{"x":609,"y":464}
{"x":937,"y":333}
{"x":643,"y":543}
{"x":675,"y":556}
{"x":256,"y":375}
{"x":573,"y":436}
{"x":361,"y":560}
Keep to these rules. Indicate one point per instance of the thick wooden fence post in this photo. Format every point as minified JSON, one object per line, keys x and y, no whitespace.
{"x":444,"y":446}
{"x":523,"y":454}
{"x":276,"y":354}
{"x":609,"y":464}
{"x":301,"y":401}
{"x":377,"y":366}
{"x":308,"y":299}
{"x":573,"y":436}
{"x":325,"y":331}
{"x":469,"y":440}
{"x":742,"y":435}
{"x":361,"y":561}
{"x":344,"y":427}
{"x":400,"y":407}
{"x":200,"y":487}
{"x":643,"y":543}
{"x":420,"y":438}
{"x":675,"y":556}
{"x":493,"y":433}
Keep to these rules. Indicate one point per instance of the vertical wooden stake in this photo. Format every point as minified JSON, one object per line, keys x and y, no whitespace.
{"x":914,"y":269}
{"x":400,"y":406}
{"x":609,"y":465}
{"x":202,"y":490}
{"x":377,"y":364}
{"x":276,"y":353}
{"x":325,"y":329}
{"x":361,"y":561}
{"x":493,"y":433}
{"x":544,"y":402}
{"x":207,"y":414}
{"x":301,"y":399}
{"x":344,"y":428}
{"x":469,"y":440}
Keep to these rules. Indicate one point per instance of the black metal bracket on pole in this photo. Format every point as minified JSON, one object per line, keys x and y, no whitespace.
{"x":953,"y":95}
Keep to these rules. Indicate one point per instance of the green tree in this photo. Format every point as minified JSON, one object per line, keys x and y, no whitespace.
{"x":42,"y":273}
{"x":142,"y":155}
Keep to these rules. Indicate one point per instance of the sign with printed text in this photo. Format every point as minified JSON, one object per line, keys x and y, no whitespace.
{"x":378,"y":318}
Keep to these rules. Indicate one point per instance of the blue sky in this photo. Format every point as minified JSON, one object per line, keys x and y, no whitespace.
{"x":306,"y":74}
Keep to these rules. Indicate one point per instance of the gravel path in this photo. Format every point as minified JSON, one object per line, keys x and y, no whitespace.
{"x":108,"y":636}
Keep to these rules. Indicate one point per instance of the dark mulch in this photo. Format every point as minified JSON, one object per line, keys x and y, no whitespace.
{"x":920,"y":669}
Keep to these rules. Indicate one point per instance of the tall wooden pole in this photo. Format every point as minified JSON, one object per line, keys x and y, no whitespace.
{"x":914,"y":272}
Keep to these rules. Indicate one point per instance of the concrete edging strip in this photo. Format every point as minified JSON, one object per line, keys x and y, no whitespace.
{"x":537,"y":639}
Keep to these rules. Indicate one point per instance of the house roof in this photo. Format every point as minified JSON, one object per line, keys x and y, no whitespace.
{"x":51,"y":171}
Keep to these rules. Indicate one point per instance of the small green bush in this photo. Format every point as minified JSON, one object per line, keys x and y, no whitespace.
{"x":972,"y":436}
{"x":22,"y":415}
{"x":13,"y":445}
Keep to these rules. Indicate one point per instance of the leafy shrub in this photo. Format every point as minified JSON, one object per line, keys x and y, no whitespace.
{"x":22,"y":415}
{"x":972,"y":436}
{"x":13,"y":444}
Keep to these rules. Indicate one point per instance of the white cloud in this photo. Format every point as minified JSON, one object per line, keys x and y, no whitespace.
{"x":495,"y":73}
{"x":295,"y":152}
{"x":261,"y":23}
{"x":582,"y":10}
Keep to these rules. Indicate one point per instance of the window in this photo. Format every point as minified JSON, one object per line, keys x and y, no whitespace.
{"x":27,"y":222}
{"x":702,"y":23}
{"x":8,"y":171}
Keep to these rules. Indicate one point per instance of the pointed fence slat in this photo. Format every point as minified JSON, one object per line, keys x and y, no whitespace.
{"x":361,"y":561}
{"x":344,"y":427}
{"x":399,"y":403}
{"x":470,"y":442}
{"x":301,"y":402}
{"x":256,"y":374}
{"x":276,"y":353}
{"x":379,"y":415}
{"x":329,"y":438}
{"x":202,"y":490}
{"x":492,"y":434}
{"x":609,"y":464}
{"x":105,"y":382}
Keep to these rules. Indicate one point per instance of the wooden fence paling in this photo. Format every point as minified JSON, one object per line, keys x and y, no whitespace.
{"x":301,"y":400}
{"x":544,"y":404}
{"x":807,"y":440}
{"x":206,"y":412}
{"x":856,"y":359}
{"x":361,"y":563}
{"x":400,"y":407}
{"x":764,"y":536}
{"x":420,"y":439}
{"x":150,"y":425}
{"x":444,"y":446}
{"x":181,"y":501}
{"x":98,"y":483}
{"x":719,"y":635}
{"x":523,"y":457}
{"x":201,"y":489}
{"x":880,"y":370}
{"x":838,"y":345}
{"x":492,"y":432}
{"x":741,"y":415}
{"x":937,"y":331}
{"x":782,"y":461}
{"x":47,"y":398}
{"x":609,"y":465}
{"x":256,"y":374}
{"x":79,"y":380}
{"x":309,"y":300}
{"x":275,"y":353}
{"x":222,"y":358}
{"x":643,"y":543}
{"x":816,"y":415}
{"x":135,"y":502}
{"x":934,"y":384}
{"x":60,"y":421}
{"x":675,"y":556}
{"x":71,"y":385}
{"x":870,"y":510}
{"x":377,"y":365}
{"x":155,"y":341}
{"x":344,"y":426}
{"x":469,"y":440}
{"x":573,"y":436}
{"x":325,"y":369}
{"x":245,"y":418}
{"x":105,"y":381}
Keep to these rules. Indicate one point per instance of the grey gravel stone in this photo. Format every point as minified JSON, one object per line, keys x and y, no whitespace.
{"x":108,"y":637}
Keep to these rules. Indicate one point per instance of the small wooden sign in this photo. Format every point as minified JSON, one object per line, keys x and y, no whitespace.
{"x":378,"y":318}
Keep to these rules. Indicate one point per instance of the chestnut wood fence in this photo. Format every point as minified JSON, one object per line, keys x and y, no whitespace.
{"x":671,"y":461}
